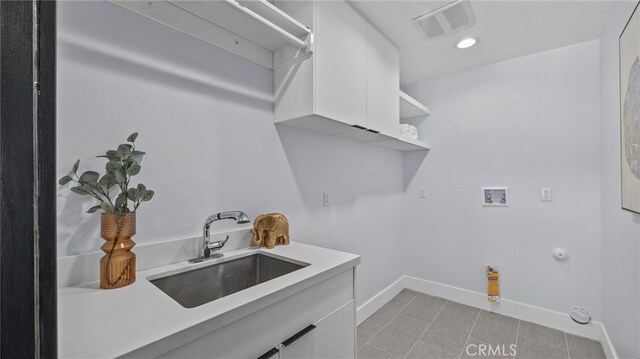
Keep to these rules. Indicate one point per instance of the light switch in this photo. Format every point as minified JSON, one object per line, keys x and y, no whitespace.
{"x":422,"y":192}
{"x":326,"y":198}
{"x":547,"y":194}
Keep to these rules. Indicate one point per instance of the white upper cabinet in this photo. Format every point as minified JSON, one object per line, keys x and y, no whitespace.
{"x":326,"y":91}
{"x":383,"y":80}
{"x":340,"y":57}
{"x":348,"y":85}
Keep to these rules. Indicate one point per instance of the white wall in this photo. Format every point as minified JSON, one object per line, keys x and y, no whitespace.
{"x":620,"y":228}
{"x":205,"y":119}
{"x":526,"y":123}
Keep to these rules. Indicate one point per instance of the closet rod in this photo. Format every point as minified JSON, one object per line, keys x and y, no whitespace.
{"x":284,"y":34}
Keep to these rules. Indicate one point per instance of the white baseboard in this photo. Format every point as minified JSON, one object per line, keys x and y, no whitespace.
{"x":549,"y":318}
{"x":372,"y":305}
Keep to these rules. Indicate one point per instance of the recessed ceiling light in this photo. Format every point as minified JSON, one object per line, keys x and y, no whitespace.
{"x":466,"y":43}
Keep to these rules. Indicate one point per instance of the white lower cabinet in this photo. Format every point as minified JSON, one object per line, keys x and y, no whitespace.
{"x":331,"y":337}
{"x":327,"y":306}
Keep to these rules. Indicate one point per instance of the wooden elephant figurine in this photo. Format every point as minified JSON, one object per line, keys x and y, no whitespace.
{"x":269,"y":230}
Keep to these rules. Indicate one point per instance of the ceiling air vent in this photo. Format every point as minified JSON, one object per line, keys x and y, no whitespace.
{"x":446,"y":20}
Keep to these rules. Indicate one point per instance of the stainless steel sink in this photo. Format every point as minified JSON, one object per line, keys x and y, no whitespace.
{"x":203,"y":285}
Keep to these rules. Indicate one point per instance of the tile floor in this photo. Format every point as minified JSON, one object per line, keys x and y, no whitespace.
{"x":416,"y":325}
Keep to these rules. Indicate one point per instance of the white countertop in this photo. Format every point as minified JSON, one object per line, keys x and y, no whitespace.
{"x":93,"y":322}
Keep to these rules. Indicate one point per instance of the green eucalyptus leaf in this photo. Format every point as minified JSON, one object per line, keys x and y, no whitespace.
{"x":107,"y":207}
{"x":94,"y":208}
{"x":148,"y":195}
{"x":64,"y":180}
{"x":93,"y":185}
{"x":133,"y":194}
{"x":75,"y":167}
{"x":78,"y":190}
{"x":142,"y":188}
{"x":108,"y":180}
{"x":124,"y":150}
{"x":113,"y":155}
{"x":121,"y":200}
{"x":89,"y":176}
{"x":86,"y":187}
{"x":138,"y":156}
{"x":134,"y":169}
{"x":132,"y":137}
{"x":112,"y":166}
{"x":120,"y":176}
{"x":127,"y":163}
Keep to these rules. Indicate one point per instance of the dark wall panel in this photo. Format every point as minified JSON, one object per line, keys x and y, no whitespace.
{"x":27,"y":183}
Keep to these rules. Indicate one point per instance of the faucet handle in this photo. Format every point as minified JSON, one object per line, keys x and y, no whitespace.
{"x":212,"y":247}
{"x":217,"y":245}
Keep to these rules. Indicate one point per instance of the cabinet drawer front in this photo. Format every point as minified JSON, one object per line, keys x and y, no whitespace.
{"x":333,"y":337}
{"x":257,"y":333}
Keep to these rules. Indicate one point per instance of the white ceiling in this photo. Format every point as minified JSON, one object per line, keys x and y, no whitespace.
{"x":505,"y":30}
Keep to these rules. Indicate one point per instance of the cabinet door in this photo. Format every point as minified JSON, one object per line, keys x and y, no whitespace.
{"x":332,"y":337}
{"x":383,"y":81}
{"x":340,"y":63}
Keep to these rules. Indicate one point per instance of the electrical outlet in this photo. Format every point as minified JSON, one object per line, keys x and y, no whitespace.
{"x":326,"y":198}
{"x":422,"y":192}
{"x":547,"y":194}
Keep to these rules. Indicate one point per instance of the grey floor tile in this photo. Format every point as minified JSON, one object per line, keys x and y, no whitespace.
{"x":427,"y":351}
{"x":477,"y":349}
{"x":398,"y":336}
{"x":424,"y":307}
{"x":389,"y":310}
{"x":406,"y":295}
{"x":448,"y":332}
{"x":366,"y":331}
{"x":542,"y":334}
{"x":494,"y":328}
{"x":461,"y":310}
{"x":583,"y":348}
{"x":532,"y":349}
{"x":369,"y":352}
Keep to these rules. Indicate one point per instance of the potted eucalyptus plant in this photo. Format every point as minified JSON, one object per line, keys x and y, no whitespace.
{"x":118,"y":201}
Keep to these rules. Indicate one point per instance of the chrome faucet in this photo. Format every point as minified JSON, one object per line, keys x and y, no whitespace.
{"x":208,"y":247}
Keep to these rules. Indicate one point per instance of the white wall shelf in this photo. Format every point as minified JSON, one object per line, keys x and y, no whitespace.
{"x":404,"y":144}
{"x":338,"y":129}
{"x":251,"y":29}
{"x":410,"y":107}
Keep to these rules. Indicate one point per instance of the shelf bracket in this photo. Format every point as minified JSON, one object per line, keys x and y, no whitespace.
{"x":302,"y":54}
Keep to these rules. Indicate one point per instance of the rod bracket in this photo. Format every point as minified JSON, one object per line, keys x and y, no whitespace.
{"x":308,"y":43}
